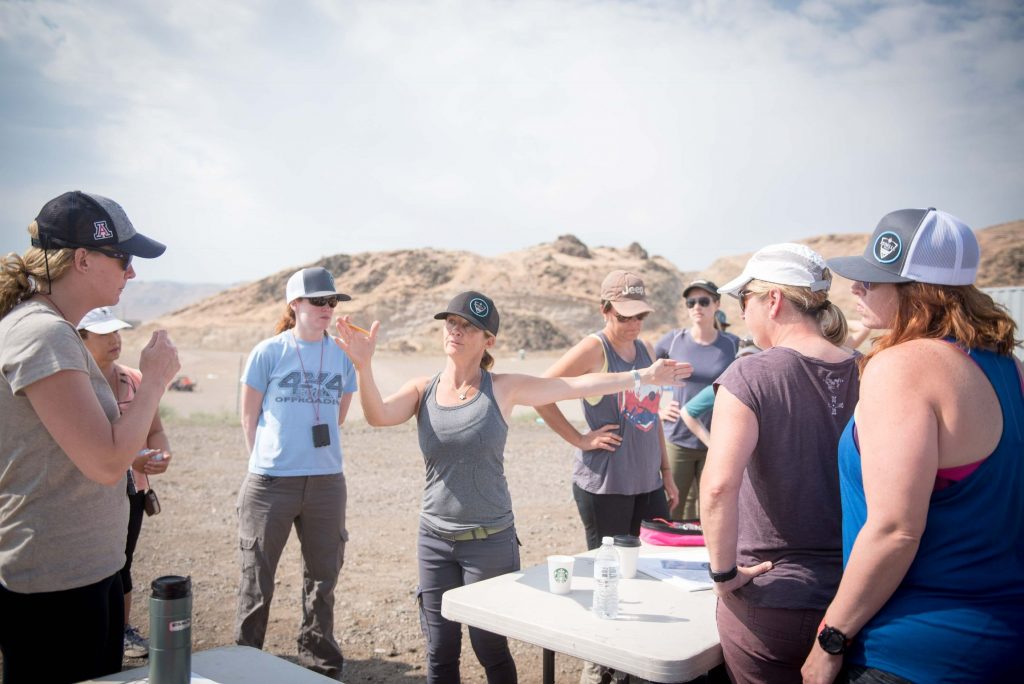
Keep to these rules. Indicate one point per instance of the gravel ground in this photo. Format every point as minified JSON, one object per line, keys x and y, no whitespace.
{"x":376,"y":620}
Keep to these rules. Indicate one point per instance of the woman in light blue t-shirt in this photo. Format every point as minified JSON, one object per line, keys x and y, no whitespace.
{"x":296,"y":391}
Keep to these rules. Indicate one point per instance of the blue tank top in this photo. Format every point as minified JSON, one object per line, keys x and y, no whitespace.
{"x":958,"y":615}
{"x":635,"y":466}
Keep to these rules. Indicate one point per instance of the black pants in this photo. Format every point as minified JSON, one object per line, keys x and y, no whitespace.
{"x":89,"y":622}
{"x":606,"y":515}
{"x":136,"y":508}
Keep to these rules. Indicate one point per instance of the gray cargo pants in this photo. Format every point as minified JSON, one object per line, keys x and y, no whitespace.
{"x":267,"y":508}
{"x":444,"y":565}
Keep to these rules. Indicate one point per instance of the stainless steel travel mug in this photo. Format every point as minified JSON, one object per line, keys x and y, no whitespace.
{"x":170,"y":630}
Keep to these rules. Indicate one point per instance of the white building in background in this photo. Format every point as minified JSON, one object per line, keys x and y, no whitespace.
{"x":1013,"y":299}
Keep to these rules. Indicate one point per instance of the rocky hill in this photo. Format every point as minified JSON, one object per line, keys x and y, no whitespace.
{"x":547,"y":294}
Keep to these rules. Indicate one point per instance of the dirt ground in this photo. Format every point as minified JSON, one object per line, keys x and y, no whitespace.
{"x":376,"y":618}
{"x":376,"y":621}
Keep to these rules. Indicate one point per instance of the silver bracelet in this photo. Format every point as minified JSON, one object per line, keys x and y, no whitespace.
{"x":636,"y":381}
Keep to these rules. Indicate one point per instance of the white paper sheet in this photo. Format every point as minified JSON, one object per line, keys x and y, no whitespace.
{"x":686,"y":575}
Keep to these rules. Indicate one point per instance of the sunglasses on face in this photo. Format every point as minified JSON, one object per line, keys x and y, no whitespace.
{"x":126,"y":259}
{"x":323,"y":301}
{"x":627,"y":319}
{"x":694,"y":301}
{"x":743,"y":294}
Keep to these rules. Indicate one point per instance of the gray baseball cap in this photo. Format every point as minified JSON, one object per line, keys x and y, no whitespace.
{"x":312,"y":282}
{"x":915,"y":245}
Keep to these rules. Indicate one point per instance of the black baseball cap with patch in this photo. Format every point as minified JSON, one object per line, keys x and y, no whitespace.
{"x":476,"y":308}
{"x":81,"y":219}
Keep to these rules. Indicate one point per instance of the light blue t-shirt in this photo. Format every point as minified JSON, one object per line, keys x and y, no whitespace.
{"x":284,"y":434}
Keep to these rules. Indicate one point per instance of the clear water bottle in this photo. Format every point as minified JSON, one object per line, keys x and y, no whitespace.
{"x":606,"y":580}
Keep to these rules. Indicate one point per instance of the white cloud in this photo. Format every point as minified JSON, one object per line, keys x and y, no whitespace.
{"x":252,"y":137}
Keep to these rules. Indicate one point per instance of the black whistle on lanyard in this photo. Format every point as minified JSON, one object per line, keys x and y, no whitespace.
{"x":321,"y":435}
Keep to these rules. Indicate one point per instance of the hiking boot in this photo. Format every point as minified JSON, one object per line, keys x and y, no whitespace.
{"x":135,"y":645}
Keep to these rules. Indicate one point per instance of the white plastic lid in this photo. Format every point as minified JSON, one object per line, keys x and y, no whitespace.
{"x":609,"y":541}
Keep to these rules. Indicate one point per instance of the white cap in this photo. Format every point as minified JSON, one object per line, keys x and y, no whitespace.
{"x":312,"y":282}
{"x":786,"y":263}
{"x":102,"y":321}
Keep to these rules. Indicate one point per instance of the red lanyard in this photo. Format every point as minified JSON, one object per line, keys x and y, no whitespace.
{"x":314,"y":401}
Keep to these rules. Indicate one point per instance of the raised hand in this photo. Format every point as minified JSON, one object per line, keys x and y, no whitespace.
{"x":355,"y":342}
{"x":159,"y":359}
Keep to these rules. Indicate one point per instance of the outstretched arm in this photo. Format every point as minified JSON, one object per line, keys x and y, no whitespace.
{"x":529,"y":390}
{"x":378,"y":411}
{"x":585,"y":357}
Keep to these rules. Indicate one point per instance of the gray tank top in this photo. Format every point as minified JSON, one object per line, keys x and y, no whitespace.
{"x":464,"y":453}
{"x":635,"y":467}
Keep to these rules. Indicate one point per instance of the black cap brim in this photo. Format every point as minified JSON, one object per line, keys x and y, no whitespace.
{"x":445,"y":314}
{"x":141,"y":246}
{"x":859,"y":268}
{"x":713,"y":293}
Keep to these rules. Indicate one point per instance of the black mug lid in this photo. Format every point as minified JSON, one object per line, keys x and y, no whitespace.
{"x":171,"y":587}
{"x":626,"y":540}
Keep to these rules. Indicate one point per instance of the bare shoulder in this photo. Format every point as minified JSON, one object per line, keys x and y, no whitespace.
{"x":586,"y":356}
{"x":910,"y":367}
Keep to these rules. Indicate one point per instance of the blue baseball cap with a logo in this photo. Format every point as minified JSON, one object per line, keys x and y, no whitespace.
{"x":82,"y":219}
{"x":476,"y":308}
{"x":915,"y":245}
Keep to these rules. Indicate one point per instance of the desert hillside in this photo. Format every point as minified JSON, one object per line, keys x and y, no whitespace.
{"x":547,"y":294}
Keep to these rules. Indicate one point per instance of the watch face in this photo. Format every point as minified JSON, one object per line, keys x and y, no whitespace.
{"x":832,"y":641}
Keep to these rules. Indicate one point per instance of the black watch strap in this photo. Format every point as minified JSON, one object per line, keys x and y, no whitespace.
{"x":722,"y":576}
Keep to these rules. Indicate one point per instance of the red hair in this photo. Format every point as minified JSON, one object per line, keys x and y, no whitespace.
{"x":963,"y":313}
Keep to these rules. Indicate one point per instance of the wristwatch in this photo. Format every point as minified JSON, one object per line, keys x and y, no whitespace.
{"x":722,"y":576}
{"x":832,"y":640}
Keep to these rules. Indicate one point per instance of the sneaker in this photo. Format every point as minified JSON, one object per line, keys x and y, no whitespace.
{"x":135,"y":645}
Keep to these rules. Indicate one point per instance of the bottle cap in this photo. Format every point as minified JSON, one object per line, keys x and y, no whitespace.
{"x":607,"y":540}
{"x":171,"y":587}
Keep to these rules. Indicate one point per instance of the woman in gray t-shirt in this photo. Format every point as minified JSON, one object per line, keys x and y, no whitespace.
{"x":467,"y":530}
{"x":64,"y":448}
{"x":770,"y":489}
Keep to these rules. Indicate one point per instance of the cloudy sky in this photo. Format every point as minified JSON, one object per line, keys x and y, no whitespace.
{"x":255,"y":136}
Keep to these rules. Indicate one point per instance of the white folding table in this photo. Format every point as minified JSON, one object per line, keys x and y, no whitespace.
{"x":663,"y":633}
{"x":232,"y":665}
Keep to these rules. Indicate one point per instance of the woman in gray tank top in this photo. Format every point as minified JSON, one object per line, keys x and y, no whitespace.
{"x":467,"y":531}
{"x":621,"y":472}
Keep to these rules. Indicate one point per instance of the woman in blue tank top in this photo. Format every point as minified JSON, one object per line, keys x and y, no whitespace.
{"x":931,"y":471}
{"x":467,"y":530}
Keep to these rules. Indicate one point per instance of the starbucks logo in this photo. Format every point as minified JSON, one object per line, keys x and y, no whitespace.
{"x":479,"y":307}
{"x":888,"y":247}
{"x":561,"y":575}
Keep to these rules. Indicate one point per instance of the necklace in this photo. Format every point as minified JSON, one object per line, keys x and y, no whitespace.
{"x":465,"y":391}
{"x":53,"y":304}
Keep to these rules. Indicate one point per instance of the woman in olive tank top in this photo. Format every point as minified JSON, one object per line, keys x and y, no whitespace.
{"x":467,"y":531}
